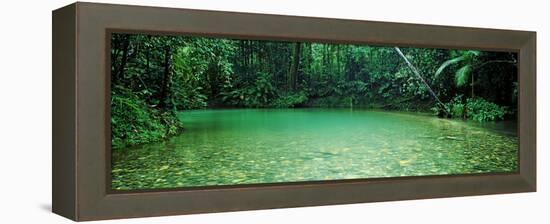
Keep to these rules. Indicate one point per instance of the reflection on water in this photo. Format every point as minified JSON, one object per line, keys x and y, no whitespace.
{"x":228,"y":147}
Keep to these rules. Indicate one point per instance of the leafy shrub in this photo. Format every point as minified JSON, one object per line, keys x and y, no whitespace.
{"x":189,"y":97}
{"x":259,"y":94}
{"x":340,"y":93}
{"x":480,"y":110}
{"x":456,"y":107}
{"x":477,"y":109}
{"x":290,"y":100}
{"x":134,"y":122}
{"x":350,"y":88}
{"x":336,"y":102}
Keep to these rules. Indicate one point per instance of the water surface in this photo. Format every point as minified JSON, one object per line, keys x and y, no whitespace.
{"x":248,"y":146}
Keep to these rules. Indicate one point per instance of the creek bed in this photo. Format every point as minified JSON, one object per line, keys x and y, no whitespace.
{"x":248,"y":146}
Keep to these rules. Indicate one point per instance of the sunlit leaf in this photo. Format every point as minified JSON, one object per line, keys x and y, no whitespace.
{"x":447,"y":63}
{"x":461,"y":75}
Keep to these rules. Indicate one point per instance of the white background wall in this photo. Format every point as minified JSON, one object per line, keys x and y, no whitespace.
{"x":25,"y":111}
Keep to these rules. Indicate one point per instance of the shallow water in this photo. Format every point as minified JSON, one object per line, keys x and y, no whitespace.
{"x":246,"y":146}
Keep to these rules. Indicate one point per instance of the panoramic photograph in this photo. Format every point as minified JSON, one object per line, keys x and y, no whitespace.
{"x":189,"y":111}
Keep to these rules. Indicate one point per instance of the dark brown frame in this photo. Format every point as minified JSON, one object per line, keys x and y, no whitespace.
{"x":81,"y":129}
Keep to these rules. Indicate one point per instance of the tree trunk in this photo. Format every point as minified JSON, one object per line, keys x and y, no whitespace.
{"x":473,"y":95}
{"x":310,"y":58}
{"x":120,"y":70}
{"x":294,"y":66}
{"x":166,"y":78}
{"x":115,"y":46}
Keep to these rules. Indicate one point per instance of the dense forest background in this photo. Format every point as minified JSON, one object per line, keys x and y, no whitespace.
{"x":154,"y":77}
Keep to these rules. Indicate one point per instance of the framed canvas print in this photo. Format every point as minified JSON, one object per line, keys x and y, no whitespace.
{"x":203,"y":111}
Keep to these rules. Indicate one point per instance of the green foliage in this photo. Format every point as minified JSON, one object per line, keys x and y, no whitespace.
{"x":468,"y":59}
{"x":290,"y":100}
{"x":456,"y":107}
{"x":461,"y":75}
{"x":448,"y":63}
{"x":481,"y":110}
{"x":190,"y":97}
{"x":153,"y":77}
{"x":134,"y":122}
{"x":477,"y":109}
{"x":257,"y":94}
{"x":350,"y":88}
{"x":200,"y":68}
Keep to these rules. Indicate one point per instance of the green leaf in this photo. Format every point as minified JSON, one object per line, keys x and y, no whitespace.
{"x":447,"y":63}
{"x":164,"y":167}
{"x":461,"y":76}
{"x":475,"y":53}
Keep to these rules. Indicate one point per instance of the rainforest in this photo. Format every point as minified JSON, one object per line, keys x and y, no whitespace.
{"x":203,"y":111}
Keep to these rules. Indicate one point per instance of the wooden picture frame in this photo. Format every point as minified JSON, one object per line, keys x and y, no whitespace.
{"x":81,"y":140}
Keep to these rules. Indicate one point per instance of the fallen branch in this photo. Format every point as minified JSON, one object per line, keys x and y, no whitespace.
{"x":415,"y":71}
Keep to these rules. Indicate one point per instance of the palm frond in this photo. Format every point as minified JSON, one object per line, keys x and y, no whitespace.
{"x":474,"y":53}
{"x":447,"y":63}
{"x":461,"y":75}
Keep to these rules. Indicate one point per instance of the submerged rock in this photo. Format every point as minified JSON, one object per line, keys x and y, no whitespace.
{"x":450,"y":138}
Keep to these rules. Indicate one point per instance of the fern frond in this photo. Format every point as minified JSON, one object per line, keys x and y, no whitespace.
{"x":461,"y":75}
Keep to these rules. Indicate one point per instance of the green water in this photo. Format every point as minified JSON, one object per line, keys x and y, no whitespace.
{"x":228,"y":147}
